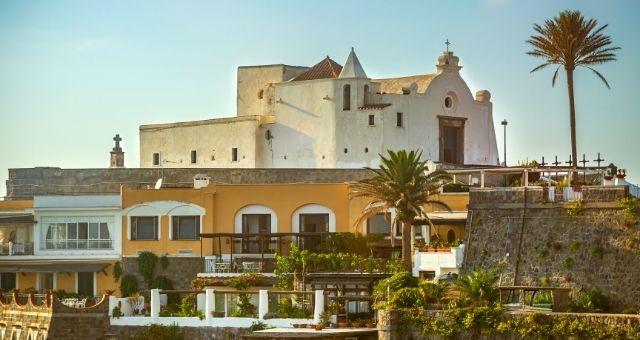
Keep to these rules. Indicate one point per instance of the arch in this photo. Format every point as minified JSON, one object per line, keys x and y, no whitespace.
{"x":346,"y":98}
{"x":312,"y":209}
{"x":157,"y":208}
{"x":366,"y":98}
{"x":451,"y":236}
{"x":255,"y":209}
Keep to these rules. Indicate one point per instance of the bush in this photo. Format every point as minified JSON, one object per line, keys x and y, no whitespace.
{"x":160,"y":332}
{"x":128,"y":285}
{"x":590,"y":301}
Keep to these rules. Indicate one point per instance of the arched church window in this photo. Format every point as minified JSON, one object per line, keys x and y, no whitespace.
{"x":346,"y":98}
{"x":366,"y":95}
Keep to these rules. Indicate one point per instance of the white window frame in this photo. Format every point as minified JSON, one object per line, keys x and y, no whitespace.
{"x":130,"y":224}
{"x":255,"y":209}
{"x":312,"y":209}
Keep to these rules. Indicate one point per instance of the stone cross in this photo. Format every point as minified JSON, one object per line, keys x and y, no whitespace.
{"x":556,"y":163}
{"x":598,"y":160}
{"x":584,"y":161}
{"x":570,"y":162}
{"x":447,"y":43}
{"x":117,"y":139}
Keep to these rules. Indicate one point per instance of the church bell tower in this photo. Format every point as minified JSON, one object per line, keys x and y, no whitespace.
{"x":117,"y":156}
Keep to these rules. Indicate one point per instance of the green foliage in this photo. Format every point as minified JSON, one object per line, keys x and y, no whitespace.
{"x":164,"y":262}
{"x":591,"y":301}
{"x":286,"y":309}
{"x":353,"y":243}
{"x":597,"y":251}
{"x":455,"y":187}
{"x":117,"y":271}
{"x":477,"y":288}
{"x":574,"y":208}
{"x":128,"y":285}
{"x":394,"y":283}
{"x":630,"y":207}
{"x":162,"y":282}
{"x":575,"y":245}
{"x":406,"y":297}
{"x":244,"y":281}
{"x":116,"y":312}
{"x":568,"y":262}
{"x":258,"y":326}
{"x":244,"y":308}
{"x":160,"y":332}
{"x":146,"y":265}
{"x":542,"y":297}
{"x":543,"y":253}
{"x":544,"y":281}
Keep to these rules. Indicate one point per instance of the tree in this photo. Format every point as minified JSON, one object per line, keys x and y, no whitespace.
{"x":401,"y":183}
{"x":570,"y":41}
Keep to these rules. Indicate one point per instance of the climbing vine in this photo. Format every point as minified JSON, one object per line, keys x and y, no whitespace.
{"x":146,"y":265}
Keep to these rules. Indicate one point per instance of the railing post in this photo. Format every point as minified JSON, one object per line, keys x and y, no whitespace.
{"x":155,"y":304}
{"x":112,"y":304}
{"x":263,"y":303}
{"x":482,"y":178}
{"x":318,"y":308}
{"x":209,"y":304}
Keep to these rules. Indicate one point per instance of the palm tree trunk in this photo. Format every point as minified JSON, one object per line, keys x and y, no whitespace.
{"x":572,"y":123}
{"x":406,"y":245}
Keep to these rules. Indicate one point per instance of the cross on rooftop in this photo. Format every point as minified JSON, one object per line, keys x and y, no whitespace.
{"x":117,"y":138}
{"x":556,"y":163}
{"x":584,"y":161}
{"x":447,"y":43}
{"x":570,"y":162}
{"x":598,"y":160}
{"x":543,"y":163}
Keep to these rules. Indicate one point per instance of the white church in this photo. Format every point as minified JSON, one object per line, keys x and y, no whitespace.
{"x":332,"y":116}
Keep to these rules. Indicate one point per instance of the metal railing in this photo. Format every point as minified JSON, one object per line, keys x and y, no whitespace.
{"x":17,"y":248}
{"x":73,"y":244}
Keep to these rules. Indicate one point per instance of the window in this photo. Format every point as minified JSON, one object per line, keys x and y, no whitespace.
{"x":255,"y":224}
{"x":448,"y":102}
{"x":313,"y":223}
{"x":156,"y":159}
{"x":417,"y":229}
{"x":346,"y":150}
{"x":366,"y":150}
{"x":234,"y":154}
{"x":85,"y":283}
{"x":399,"y":122}
{"x":185,"y":227}
{"x":194,"y":157}
{"x":8,"y":281}
{"x":346,"y":98}
{"x":83,"y":233}
{"x":144,"y":227}
{"x":366,"y":95}
{"x":379,"y":224}
{"x":372,"y":120}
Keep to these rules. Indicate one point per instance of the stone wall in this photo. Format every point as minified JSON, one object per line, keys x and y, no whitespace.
{"x":27,"y":182}
{"x":204,"y":333}
{"x":180,"y":271}
{"x":24,"y":314}
{"x":592,"y":245}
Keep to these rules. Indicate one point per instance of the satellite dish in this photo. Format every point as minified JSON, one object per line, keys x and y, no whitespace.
{"x":158,"y":184}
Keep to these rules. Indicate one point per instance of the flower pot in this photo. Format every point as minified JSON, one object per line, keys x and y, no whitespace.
{"x":356,"y":324}
{"x":371,"y":325}
{"x":319,"y":327}
{"x":342,"y":325}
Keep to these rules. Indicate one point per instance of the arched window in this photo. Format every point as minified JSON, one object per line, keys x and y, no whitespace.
{"x":366,"y":95}
{"x":451,"y":236}
{"x":346,"y":98}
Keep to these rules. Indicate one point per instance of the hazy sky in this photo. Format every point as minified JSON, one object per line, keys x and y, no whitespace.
{"x":74,"y":73}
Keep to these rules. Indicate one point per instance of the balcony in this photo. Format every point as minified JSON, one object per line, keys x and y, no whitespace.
{"x":18,"y":248}
{"x":438,"y":260}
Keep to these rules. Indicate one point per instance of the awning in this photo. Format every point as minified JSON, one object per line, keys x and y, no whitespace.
{"x":17,"y":219}
{"x":443,"y":217}
{"x":54,"y":267}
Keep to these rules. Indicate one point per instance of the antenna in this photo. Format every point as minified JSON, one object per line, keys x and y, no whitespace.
{"x":158,"y":184}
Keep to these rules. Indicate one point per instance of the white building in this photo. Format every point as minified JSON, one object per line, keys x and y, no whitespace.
{"x":329,"y":116}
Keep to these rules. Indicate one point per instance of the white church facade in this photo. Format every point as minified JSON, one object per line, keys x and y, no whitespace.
{"x":330,"y":116}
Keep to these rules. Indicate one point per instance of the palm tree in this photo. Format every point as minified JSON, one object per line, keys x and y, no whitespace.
{"x":401,"y":183}
{"x":571,"y":41}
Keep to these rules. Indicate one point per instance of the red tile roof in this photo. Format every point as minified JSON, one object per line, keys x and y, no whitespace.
{"x":325,"y":69}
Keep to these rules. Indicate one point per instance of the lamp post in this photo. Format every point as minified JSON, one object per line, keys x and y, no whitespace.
{"x":504,"y":124}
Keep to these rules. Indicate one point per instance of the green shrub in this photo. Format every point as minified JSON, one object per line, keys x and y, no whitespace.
{"x":568,"y":262}
{"x":146,"y":266}
{"x":590,"y":301}
{"x":128,"y":285}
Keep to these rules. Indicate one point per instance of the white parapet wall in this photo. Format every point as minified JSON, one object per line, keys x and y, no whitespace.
{"x":440,"y":262}
{"x":206,"y":303}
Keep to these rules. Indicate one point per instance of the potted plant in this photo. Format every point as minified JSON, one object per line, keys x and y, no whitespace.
{"x":319,"y":327}
{"x":356,"y":324}
{"x":324,"y":318}
{"x":371,"y":324}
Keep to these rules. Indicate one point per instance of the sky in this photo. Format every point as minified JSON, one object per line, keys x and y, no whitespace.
{"x":75,"y":73}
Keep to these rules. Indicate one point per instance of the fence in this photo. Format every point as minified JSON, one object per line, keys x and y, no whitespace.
{"x":210,"y":311}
